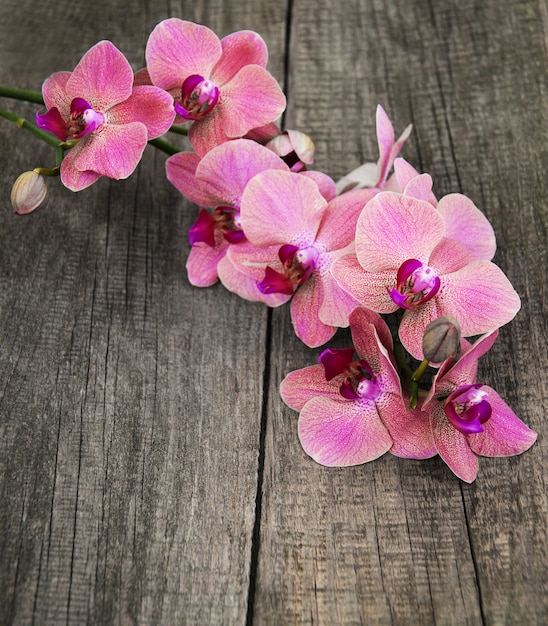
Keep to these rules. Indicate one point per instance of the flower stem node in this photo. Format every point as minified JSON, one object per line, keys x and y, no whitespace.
{"x":441,"y":339}
{"x":29,"y":193}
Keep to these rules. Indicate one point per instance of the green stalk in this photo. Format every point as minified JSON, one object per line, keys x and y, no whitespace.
{"x":37,"y":132}
{"x":415,"y":379}
{"x":21,"y":94}
{"x":164,"y":146}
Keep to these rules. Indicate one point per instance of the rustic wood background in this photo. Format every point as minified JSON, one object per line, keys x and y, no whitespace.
{"x":150,"y":473}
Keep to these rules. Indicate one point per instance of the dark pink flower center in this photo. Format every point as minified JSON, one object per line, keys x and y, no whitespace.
{"x":358,"y":378}
{"x":467,"y":408}
{"x":297,"y":265}
{"x":198,"y":97}
{"x":83,"y":120}
{"x":416,"y":283}
{"x":224,"y":220}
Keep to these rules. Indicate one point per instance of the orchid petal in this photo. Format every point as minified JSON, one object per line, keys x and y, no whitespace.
{"x":202,"y":262}
{"x":177,"y":49}
{"x":342,"y":433}
{"x":504,"y":434}
{"x":467,"y":224}
{"x":241,"y":48}
{"x":300,"y":386}
{"x":103,"y":77}
{"x":305,"y":307}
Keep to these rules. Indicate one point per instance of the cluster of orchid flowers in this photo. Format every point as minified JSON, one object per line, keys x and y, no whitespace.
{"x":272,"y":230}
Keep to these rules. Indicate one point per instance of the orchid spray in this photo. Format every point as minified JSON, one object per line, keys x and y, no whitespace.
{"x":272,"y":229}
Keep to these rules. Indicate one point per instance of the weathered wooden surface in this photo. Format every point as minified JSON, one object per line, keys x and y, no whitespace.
{"x":150,"y":473}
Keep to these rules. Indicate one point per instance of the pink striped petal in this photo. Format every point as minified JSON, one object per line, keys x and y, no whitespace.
{"x":337,"y":304}
{"x":410,"y":430}
{"x":504,"y":433}
{"x":414,"y":323}
{"x":181,"y":173}
{"x":453,"y":446}
{"x":177,"y":49}
{"x":281,"y":207}
{"x":367,"y":288}
{"x":113,"y":151}
{"x":300,"y":386}
{"x":342,"y":433}
{"x":326,"y":185}
{"x":393,"y":228}
{"x":305,"y":307}
{"x":480,"y":296}
{"x":244,"y":47}
{"x":244,"y":285}
{"x":449,"y":256}
{"x":467,"y":224}
{"x":149,"y":105}
{"x":73,"y":178}
{"x":54,"y":91}
{"x":103,"y":77}
{"x":367,"y":343}
{"x":203,"y":260}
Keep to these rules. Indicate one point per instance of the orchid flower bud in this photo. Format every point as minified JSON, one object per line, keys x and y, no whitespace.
{"x":441,"y":339}
{"x":29,"y":193}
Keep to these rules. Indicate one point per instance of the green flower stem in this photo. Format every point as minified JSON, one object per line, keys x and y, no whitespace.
{"x":164,"y":146}
{"x":21,"y":94}
{"x":45,"y":171}
{"x":414,"y":386}
{"x":37,"y":132}
{"x":179,"y":130}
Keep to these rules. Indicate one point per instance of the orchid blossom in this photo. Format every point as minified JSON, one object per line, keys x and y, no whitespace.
{"x":293,"y":236}
{"x":352,"y":409}
{"x":405,"y":259}
{"x":110,"y":121}
{"x":468,"y":418}
{"x":220,"y":86}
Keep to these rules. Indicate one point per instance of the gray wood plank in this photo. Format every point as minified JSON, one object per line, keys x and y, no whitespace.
{"x":131,"y":402}
{"x":402,"y":542}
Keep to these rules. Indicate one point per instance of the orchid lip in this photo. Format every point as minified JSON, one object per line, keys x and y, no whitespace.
{"x":198,"y":97}
{"x":417,"y":283}
{"x":298,"y":265}
{"x":475,"y":409}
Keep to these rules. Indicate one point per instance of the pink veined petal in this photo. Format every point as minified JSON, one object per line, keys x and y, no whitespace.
{"x":414,"y":323}
{"x":363,"y":317}
{"x":420,"y":188}
{"x":480,"y":296}
{"x":54,"y":91}
{"x":263,"y":134}
{"x":504,"y":433}
{"x":227,"y":168}
{"x":300,"y":386}
{"x":337,"y":304}
{"x":369,"y":289}
{"x":326,"y":185}
{"x":177,"y":49}
{"x":252,"y":98}
{"x":404,"y":173}
{"x":398,"y":145}
{"x":453,"y":446}
{"x":305,"y":307}
{"x":113,"y":151}
{"x":203,"y":260}
{"x":103,"y":77}
{"x":338,"y":225}
{"x":149,"y":105}
{"x":73,"y":178}
{"x":467,"y":224}
{"x":393,"y":228}
{"x":181,"y":173}
{"x":252,"y":261}
{"x":289,"y":203}
{"x":342,"y":433}
{"x":449,"y":256}
{"x":246,"y":286}
{"x":409,"y":429}
{"x":244,"y":47}
{"x":385,"y":139}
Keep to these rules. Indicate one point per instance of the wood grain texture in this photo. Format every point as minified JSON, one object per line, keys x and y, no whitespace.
{"x":149,"y":472}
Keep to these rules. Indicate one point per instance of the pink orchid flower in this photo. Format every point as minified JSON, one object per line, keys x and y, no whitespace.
{"x":294,"y":235}
{"x":468,"y":418}
{"x":112,"y":120}
{"x":217,"y":181}
{"x":375,"y":175}
{"x":352,"y":410}
{"x":221,"y":86}
{"x":404,"y":258}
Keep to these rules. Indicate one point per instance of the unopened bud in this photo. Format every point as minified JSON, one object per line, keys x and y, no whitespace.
{"x":29,"y":193}
{"x":441,"y":339}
